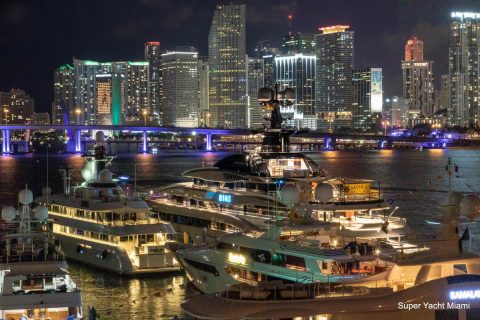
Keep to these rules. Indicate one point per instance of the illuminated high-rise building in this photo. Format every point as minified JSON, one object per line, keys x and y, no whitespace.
{"x":63,"y":106}
{"x":333,"y":79}
{"x":228,"y":69}
{"x":418,"y":86}
{"x":130,"y":90}
{"x":297,"y":71}
{"x":16,"y":107}
{"x":464,"y":69}
{"x":203,"y":86}
{"x":109,"y":98}
{"x":153,"y":56}
{"x":414,"y":50}
{"x":298,"y":43}
{"x":367,"y":97}
{"x":255,"y":81}
{"x":180,"y":101}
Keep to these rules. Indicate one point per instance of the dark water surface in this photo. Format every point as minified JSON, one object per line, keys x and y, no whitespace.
{"x":415,"y":181}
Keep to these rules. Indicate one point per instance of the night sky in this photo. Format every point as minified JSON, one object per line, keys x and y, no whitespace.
{"x":37,"y":36}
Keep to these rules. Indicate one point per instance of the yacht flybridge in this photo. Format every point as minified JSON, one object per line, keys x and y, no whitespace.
{"x":98,"y":224}
{"x":34,"y":281}
{"x":244,"y":192}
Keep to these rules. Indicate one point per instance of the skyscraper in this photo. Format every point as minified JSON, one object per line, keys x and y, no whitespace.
{"x":255,"y":81}
{"x":464,"y":65}
{"x":180,"y":87}
{"x":333,"y":79}
{"x":153,"y":57}
{"x":226,"y":55}
{"x":203,"y":85}
{"x":129,"y":85}
{"x":297,"y":71}
{"x":16,"y":106}
{"x":414,"y":50}
{"x":367,"y":96}
{"x":63,"y":106}
{"x":298,"y":43}
{"x":418,"y":79}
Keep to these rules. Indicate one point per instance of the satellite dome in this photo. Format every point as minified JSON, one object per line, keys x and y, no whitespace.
{"x":99,"y":137}
{"x":289,"y":193}
{"x":470,"y":206}
{"x":265,"y":94}
{"x":105,"y":175}
{"x":46,"y":191}
{"x":8,"y":213}
{"x":25,"y":196}
{"x":324,"y":192}
{"x":41,"y":213}
{"x":87,"y":171}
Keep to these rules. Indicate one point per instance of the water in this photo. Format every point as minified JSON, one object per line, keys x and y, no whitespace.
{"x":415,"y":181}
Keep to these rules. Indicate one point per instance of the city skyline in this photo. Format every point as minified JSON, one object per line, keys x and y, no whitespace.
{"x":103,"y":39}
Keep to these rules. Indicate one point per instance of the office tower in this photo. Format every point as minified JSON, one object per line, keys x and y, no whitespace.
{"x":226,"y":55}
{"x":203,"y":84}
{"x":180,"y":87}
{"x":16,"y":107}
{"x":397,"y":109}
{"x":85,"y":75}
{"x":255,"y":81}
{"x":137,"y":93}
{"x":444,"y":97}
{"x":153,"y":57}
{"x":367,"y":96}
{"x":297,"y":71}
{"x":129,"y":85}
{"x":414,"y":50}
{"x":464,"y":57}
{"x":298,"y":43}
{"x":63,"y":106}
{"x":333,"y":79}
{"x":418,"y":79}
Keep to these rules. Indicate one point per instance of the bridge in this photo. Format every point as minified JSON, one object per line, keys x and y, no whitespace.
{"x":328,"y":140}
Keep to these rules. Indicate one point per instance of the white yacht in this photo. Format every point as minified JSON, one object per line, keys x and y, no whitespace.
{"x":97,"y":223}
{"x":449,"y":297}
{"x":272,"y":256}
{"x":34,"y":281}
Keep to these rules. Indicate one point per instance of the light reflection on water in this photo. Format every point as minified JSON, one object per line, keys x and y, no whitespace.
{"x":411,"y":179}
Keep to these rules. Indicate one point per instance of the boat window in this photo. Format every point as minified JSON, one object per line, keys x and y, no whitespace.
{"x":203,"y":266}
{"x":462,"y":267}
{"x":296,"y":262}
{"x":150,"y":237}
{"x":224,"y":246}
{"x":261,"y":256}
{"x":123,"y":238}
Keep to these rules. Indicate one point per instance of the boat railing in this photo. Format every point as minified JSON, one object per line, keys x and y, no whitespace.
{"x":278,"y":291}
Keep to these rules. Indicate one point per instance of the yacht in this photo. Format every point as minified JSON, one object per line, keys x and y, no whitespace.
{"x":245,"y":192}
{"x":449,"y":297}
{"x":98,"y":224}
{"x":273,"y":256}
{"x":34,"y":281}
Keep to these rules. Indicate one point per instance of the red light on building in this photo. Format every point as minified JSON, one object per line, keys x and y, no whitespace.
{"x":153,"y":43}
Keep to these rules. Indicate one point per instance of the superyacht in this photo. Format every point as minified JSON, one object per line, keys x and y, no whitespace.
{"x":245,"y":192}
{"x":98,"y":224}
{"x":34,"y":281}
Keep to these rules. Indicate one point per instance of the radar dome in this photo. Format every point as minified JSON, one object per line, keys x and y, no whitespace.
{"x":289,"y":193}
{"x":25,"y":196}
{"x":324,"y":192}
{"x":41,"y":213}
{"x":99,"y":136}
{"x":265,"y":94}
{"x":46,"y":191}
{"x":87,"y":171}
{"x":8,"y":213}
{"x":105,"y":175}
{"x":470,"y":206}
